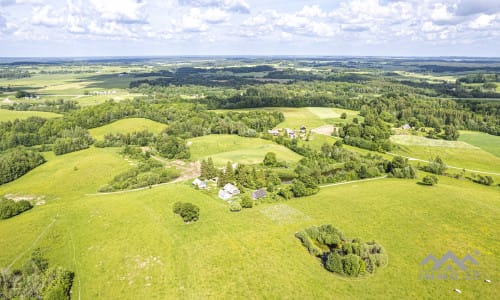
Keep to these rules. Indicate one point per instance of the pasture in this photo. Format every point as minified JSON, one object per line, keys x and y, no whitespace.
{"x":223,"y":148}
{"x":132,"y":246}
{"x":485,"y":141}
{"x":11,"y":115}
{"x":125,"y":126}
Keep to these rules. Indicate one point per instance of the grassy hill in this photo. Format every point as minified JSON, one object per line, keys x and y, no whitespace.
{"x":131,"y":245}
{"x":223,"y":148}
{"x":127,"y":126}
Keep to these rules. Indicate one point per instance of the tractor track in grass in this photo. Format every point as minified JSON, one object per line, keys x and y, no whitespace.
{"x":37,"y":239}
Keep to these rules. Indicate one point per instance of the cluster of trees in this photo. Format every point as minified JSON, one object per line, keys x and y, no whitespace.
{"x":399,"y":167}
{"x":17,"y":162}
{"x":23,"y":94}
{"x":172,"y":147}
{"x":148,"y":172}
{"x":340,"y":255}
{"x":14,"y":74}
{"x":36,"y":280}
{"x":56,"y":106}
{"x":373,"y":134}
{"x":486,"y":180}
{"x":188,"y":211}
{"x":139,"y":138}
{"x":10,"y":208}
{"x":71,"y":140}
{"x":435,"y":166}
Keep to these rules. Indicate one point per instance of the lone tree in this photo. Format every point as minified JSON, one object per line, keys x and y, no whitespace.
{"x":343,"y":115}
{"x":270,"y":159}
{"x":188,"y":211}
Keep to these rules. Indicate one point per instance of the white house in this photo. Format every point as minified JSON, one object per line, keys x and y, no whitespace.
{"x":233,"y":190}
{"x":200,"y":184}
{"x":224,"y":195}
{"x":228,"y":191}
{"x":274,"y":132}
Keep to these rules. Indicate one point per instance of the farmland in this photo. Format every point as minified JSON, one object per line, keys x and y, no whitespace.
{"x":127,"y":243}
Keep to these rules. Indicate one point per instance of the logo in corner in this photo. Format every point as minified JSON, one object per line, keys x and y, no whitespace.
{"x":449,"y":267}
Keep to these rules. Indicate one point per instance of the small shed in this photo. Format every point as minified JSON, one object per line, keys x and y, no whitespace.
{"x":200,"y":184}
{"x":260,"y":193}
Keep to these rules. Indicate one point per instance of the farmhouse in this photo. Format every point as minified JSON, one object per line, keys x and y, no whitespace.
{"x":406,"y":127}
{"x":228,"y":191}
{"x":290,"y":133}
{"x":274,"y":132}
{"x":200,"y":184}
{"x":303,"y":128}
{"x":260,"y":193}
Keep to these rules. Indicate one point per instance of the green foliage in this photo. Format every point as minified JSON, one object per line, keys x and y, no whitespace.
{"x":235,"y":206}
{"x":17,"y":162}
{"x":270,"y":159}
{"x":436,"y":166}
{"x":36,"y":280}
{"x":429,"y":180}
{"x":400,"y":168}
{"x":349,"y":257}
{"x":188,"y":211}
{"x":148,"y":172}
{"x":71,"y":140}
{"x":246,"y":201}
{"x":485,"y":180}
{"x":172,"y":147}
{"x":11,"y":208}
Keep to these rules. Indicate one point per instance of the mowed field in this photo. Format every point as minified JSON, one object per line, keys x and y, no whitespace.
{"x":131,"y":245}
{"x":11,"y":115}
{"x":454,"y":153}
{"x":127,"y":126}
{"x":482,"y":140}
{"x":311,"y":117}
{"x":223,"y":148}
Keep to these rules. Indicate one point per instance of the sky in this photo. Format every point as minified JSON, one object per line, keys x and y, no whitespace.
{"x":55,"y":28}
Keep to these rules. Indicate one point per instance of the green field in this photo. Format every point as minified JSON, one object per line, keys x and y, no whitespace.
{"x":11,"y":115}
{"x":131,"y":246}
{"x":223,"y":148}
{"x":484,"y":141}
{"x":127,"y":126}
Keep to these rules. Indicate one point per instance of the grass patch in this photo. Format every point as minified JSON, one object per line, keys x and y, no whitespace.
{"x":11,"y":115}
{"x":127,"y":126}
{"x":414,"y":140}
{"x":482,"y":140}
{"x":223,"y":148}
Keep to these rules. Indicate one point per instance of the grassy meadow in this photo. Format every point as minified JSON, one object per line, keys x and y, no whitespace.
{"x":132,"y":246}
{"x":11,"y":115}
{"x":482,"y":140}
{"x":223,"y":148}
{"x":125,"y":126}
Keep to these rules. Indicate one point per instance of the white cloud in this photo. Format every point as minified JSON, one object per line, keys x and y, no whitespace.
{"x":482,"y":21}
{"x":240,"y":6}
{"x":46,"y":16}
{"x":125,"y":11}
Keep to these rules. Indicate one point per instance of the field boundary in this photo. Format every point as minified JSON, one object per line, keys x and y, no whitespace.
{"x":352,"y":181}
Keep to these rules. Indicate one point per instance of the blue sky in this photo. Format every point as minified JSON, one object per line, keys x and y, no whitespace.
{"x":249,"y":27}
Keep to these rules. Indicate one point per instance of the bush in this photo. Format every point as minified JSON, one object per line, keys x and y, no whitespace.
{"x":350,"y":264}
{"x":429,"y":180}
{"x":334,"y":263}
{"x":188,"y":211}
{"x":246,"y":201}
{"x":235,"y":207}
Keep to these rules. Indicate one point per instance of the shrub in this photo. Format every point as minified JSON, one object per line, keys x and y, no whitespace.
{"x":246,"y":201}
{"x":350,"y":264}
{"x":188,"y":211}
{"x":429,"y":180}
{"x":334,"y":263}
{"x":235,"y":207}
